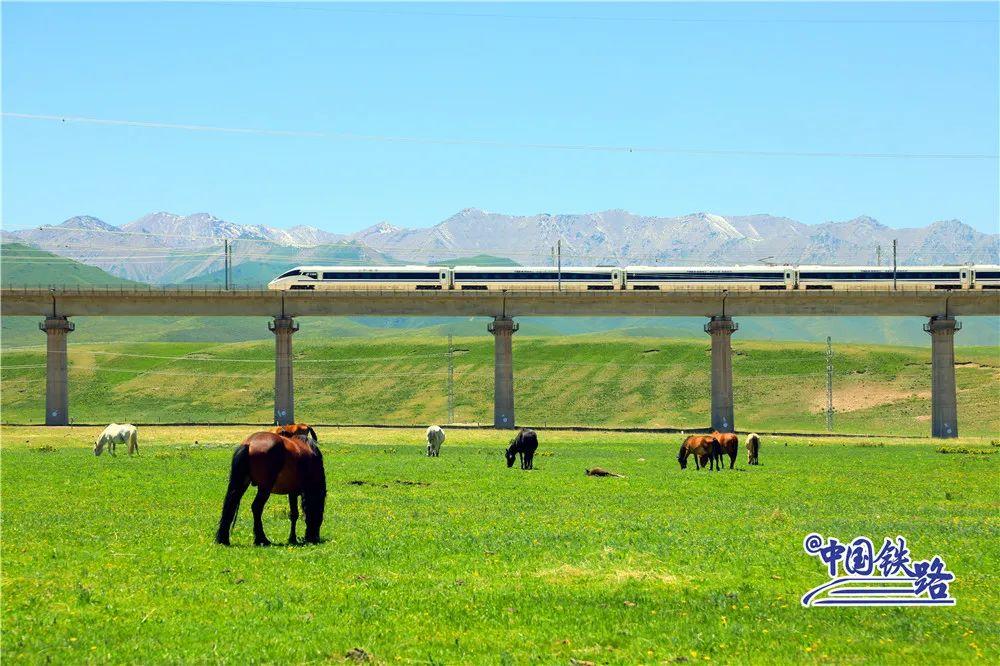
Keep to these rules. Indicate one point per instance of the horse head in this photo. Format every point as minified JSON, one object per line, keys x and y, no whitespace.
{"x":314,"y":496}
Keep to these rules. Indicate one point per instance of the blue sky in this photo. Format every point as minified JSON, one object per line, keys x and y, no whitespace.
{"x":890,"y":78}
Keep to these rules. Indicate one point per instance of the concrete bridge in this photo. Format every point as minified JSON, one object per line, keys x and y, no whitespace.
{"x":940,"y":307}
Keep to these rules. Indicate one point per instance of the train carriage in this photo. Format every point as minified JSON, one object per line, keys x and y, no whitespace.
{"x":656,"y":278}
{"x":867,"y":277}
{"x":986,"y":276}
{"x":521,"y":278}
{"x":325,"y":278}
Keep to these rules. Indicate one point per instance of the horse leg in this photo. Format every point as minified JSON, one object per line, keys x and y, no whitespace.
{"x":293,"y":515}
{"x":531,"y":459}
{"x":263,"y":493}
{"x":732,"y":459}
{"x":697,"y":465}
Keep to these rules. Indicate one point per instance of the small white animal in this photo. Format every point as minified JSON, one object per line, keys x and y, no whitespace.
{"x":116,"y":434}
{"x":435,"y":437}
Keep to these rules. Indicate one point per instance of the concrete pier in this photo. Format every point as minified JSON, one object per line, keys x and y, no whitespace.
{"x":721,"y":328}
{"x":944,"y":400}
{"x":503,"y":329}
{"x":284,"y":390}
{"x":56,"y":369}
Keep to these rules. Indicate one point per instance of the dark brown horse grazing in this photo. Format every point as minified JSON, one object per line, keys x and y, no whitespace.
{"x":730,"y":444}
{"x":280,"y":465}
{"x":753,"y":449}
{"x":524,"y":444}
{"x":704,"y":448}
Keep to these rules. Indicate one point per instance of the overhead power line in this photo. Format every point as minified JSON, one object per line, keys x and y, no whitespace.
{"x":489,"y":143}
{"x":384,"y":10}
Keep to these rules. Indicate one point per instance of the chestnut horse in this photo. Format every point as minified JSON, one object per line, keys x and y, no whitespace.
{"x":729,"y":443}
{"x":704,"y":448}
{"x":279,"y":465}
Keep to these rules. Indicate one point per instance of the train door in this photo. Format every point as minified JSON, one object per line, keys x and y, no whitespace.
{"x":618,"y":279}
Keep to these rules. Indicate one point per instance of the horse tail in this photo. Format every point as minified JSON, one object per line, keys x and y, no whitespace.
{"x":239,"y":479}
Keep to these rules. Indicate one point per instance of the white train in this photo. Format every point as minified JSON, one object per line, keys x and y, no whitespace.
{"x":633,"y":278}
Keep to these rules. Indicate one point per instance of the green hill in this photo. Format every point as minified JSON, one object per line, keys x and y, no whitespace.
{"x":22,"y":265}
{"x":588,"y":380}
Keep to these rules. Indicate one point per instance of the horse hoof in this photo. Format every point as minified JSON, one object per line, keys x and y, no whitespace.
{"x":265,"y":542}
{"x":293,"y":542}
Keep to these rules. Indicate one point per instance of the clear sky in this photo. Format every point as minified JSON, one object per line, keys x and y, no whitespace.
{"x":853,"y":78}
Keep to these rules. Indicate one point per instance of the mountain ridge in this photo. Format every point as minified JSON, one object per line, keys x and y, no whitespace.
{"x":164,"y":246}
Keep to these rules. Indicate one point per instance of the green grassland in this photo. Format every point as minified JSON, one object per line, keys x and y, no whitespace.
{"x":458,"y":559}
{"x":22,"y":265}
{"x":583,"y":380}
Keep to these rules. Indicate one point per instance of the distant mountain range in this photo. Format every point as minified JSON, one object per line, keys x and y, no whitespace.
{"x":167,"y":248}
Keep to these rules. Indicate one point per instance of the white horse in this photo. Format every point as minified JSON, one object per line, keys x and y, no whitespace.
{"x":435,"y":437}
{"x":116,"y":434}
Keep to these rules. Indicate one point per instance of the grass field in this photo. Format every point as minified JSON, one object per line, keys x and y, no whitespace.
{"x":460,"y":560}
{"x":582,"y":380}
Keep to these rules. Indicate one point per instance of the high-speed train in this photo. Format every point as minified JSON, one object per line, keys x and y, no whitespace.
{"x":634,"y":278}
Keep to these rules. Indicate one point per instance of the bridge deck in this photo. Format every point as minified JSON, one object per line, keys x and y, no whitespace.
{"x":739,"y":301}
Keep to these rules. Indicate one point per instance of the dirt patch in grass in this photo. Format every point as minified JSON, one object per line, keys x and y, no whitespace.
{"x":864,"y":396}
{"x":568,"y":573}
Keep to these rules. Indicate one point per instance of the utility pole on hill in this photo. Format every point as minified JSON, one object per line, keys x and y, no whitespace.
{"x":228,"y":264}
{"x":894,"y":264}
{"x":878,"y":254}
{"x":559,"y":258}
{"x":829,"y":385}
{"x":451,"y":383}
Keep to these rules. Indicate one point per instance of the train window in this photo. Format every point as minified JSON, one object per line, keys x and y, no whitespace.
{"x":291,"y":273}
{"x":444,"y":275}
{"x":379,"y":276}
{"x":705,"y":276}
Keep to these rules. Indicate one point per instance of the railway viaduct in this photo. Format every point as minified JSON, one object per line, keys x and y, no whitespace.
{"x":721,"y":308}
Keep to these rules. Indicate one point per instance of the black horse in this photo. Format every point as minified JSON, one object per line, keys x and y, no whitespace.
{"x":524,"y":444}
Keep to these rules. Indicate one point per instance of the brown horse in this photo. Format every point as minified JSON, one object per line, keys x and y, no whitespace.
{"x":278,"y":465}
{"x":729,"y":443}
{"x":704,"y":448}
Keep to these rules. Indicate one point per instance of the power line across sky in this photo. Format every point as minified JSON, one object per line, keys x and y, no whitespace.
{"x":497,"y":143}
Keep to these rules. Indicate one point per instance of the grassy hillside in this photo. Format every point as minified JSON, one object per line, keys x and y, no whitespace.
{"x":591,"y":380}
{"x":442,"y":561}
{"x":976,"y":331}
{"x":22,"y":265}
